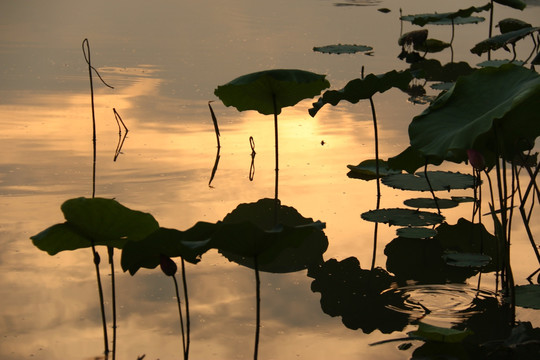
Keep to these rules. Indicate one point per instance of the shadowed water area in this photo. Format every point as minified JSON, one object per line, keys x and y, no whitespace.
{"x":331,"y":296}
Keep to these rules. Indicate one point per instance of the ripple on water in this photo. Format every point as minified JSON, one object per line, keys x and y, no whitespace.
{"x":442,"y":305}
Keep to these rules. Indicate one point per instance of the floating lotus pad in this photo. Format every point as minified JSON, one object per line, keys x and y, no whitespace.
{"x":403,"y":217}
{"x":459,"y":17}
{"x":255,"y":91}
{"x":435,"y":333}
{"x":96,"y":221}
{"x":439,"y":180}
{"x":367,"y":170}
{"x":497,"y":63}
{"x":416,"y":232}
{"x":430,"y":203}
{"x":468,"y":260}
{"x":342,"y":49}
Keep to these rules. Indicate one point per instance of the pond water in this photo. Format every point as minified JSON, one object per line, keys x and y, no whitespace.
{"x":164,"y":61}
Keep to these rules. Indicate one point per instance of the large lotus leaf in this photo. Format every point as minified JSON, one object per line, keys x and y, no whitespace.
{"x":58,"y":238}
{"x":429,"y":332}
{"x":342,"y":49}
{"x":528,"y":296}
{"x":106,"y":220}
{"x":516,"y":4}
{"x":403,"y":217}
{"x":501,"y":41}
{"x":190,"y":245}
{"x":462,"y":16}
{"x":359,"y":89}
{"x":439,"y":181}
{"x":467,"y":237}
{"x":256,"y":91}
{"x":249,"y":231}
{"x":367,"y":170}
{"x":465,"y":117}
{"x":430,"y":203}
{"x":98,"y":221}
{"x":510,"y":24}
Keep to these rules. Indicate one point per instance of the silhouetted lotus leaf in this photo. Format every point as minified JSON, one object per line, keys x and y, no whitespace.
{"x":416,"y":232}
{"x":429,"y":332}
{"x":190,"y":245}
{"x":505,"y":98}
{"x":97,"y":220}
{"x":463,"y":199}
{"x":357,"y":295}
{"x":528,"y":296}
{"x":433,"y":70}
{"x":430,"y":203}
{"x":497,"y":63}
{"x":403,"y":217}
{"x":467,"y":237}
{"x":360,"y":89}
{"x":431,"y":46}
{"x":441,"y":86}
{"x":409,"y":160}
{"x":501,"y":41}
{"x":367,"y":170}
{"x":248,"y":231}
{"x":342,"y":49}
{"x":439,"y":180}
{"x":255,"y":91}
{"x":416,"y":37}
{"x":516,"y":4}
{"x":536,"y":60}
{"x":509,"y":25}
{"x":459,"y":17}
{"x":421,"y":260}
{"x":468,"y":260}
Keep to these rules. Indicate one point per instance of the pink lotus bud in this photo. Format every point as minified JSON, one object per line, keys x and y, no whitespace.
{"x":476,"y":159}
{"x":167,"y":265}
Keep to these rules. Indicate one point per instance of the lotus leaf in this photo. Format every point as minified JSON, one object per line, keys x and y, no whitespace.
{"x":468,"y":260}
{"x":501,"y":41}
{"x":509,"y":24}
{"x":255,"y":91}
{"x":359,"y":89}
{"x":432,"y":46}
{"x":249,"y":231}
{"x":403,"y":217}
{"x":500,"y":100}
{"x":367,"y":170}
{"x":98,"y":221}
{"x":416,"y":232}
{"x":430,"y":203}
{"x":342,"y":49}
{"x":416,"y":37}
{"x":467,"y":237}
{"x":528,"y":296}
{"x":497,"y":63}
{"x":462,"y":16}
{"x":439,"y":180}
{"x":433,"y":70}
{"x":189,"y":245}
{"x":516,"y":4}
{"x":436,"y":333}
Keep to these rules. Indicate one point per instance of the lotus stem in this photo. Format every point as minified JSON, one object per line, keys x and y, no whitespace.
{"x":181,"y":317}
{"x":101,"y":302}
{"x":110,"y":250}
{"x":490,"y":30}
{"x":188,"y":322}
{"x":276,"y":141}
{"x":258,"y":307}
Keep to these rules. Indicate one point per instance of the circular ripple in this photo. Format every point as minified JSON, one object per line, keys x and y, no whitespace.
{"x":440,"y":304}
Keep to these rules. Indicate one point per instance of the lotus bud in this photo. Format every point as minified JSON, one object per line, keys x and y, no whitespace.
{"x":167,"y":265}
{"x":476,"y":159}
